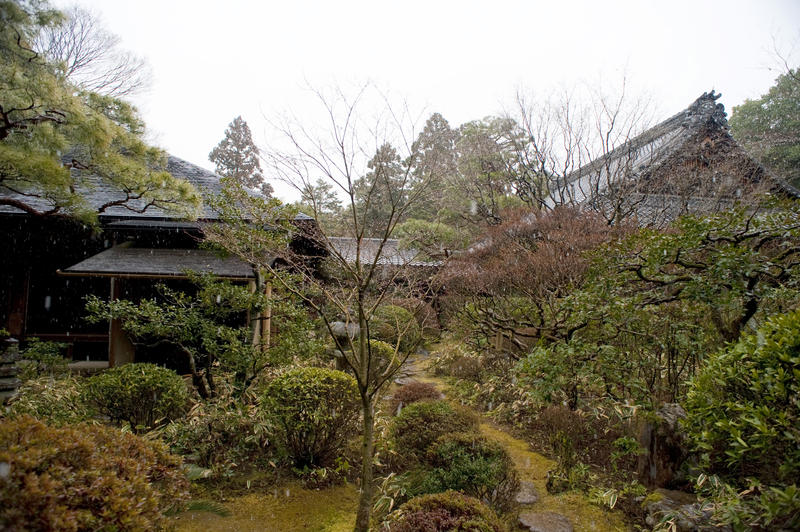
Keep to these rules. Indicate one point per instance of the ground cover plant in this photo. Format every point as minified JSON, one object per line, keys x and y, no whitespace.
{"x":224,"y":436}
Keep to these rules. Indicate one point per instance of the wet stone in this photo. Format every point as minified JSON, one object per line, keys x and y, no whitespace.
{"x":527,"y":493}
{"x":545,"y":522}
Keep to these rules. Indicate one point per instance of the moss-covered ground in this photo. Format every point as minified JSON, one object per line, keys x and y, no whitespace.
{"x":288,"y":508}
{"x":533,"y":467}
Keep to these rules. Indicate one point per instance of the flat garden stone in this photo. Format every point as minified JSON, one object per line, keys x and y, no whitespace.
{"x":527,"y":493}
{"x":545,"y":522}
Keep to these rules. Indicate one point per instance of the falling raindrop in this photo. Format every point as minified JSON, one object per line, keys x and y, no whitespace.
{"x":47,"y":301}
{"x":287,"y":492}
{"x":219,"y":299}
{"x":5,"y":469}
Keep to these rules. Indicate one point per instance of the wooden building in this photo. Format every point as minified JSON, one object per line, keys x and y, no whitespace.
{"x":49,"y":264}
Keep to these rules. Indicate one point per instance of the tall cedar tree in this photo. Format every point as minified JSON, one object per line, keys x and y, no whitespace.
{"x":236,"y":156}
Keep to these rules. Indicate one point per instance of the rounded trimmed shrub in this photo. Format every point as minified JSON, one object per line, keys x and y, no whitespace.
{"x":473,"y":465}
{"x":422,"y":423}
{"x":444,"y":512}
{"x":391,"y":324}
{"x":411,"y":393}
{"x":140,"y":394}
{"x":316,"y":411}
{"x":84,"y":477}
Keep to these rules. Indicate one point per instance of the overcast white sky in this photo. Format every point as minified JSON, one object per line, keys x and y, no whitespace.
{"x":214,"y":60}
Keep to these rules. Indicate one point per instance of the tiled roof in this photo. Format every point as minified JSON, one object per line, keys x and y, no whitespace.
{"x":648,"y":153}
{"x":98,"y":192}
{"x":123,"y":261}
{"x":391,"y":254}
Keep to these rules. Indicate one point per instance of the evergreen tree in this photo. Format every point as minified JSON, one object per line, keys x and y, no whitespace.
{"x":769,"y":127}
{"x":236,"y":156}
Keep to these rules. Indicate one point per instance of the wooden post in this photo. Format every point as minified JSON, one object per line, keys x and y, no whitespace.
{"x":18,"y":299}
{"x":268,"y":318}
{"x":120,"y":347}
{"x":256,"y":323}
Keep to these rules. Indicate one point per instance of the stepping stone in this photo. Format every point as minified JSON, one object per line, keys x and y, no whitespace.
{"x":527,"y":493}
{"x":545,"y":522}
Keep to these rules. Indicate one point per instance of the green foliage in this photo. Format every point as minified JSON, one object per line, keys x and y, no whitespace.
{"x":44,"y":117}
{"x":420,"y":424}
{"x":57,"y":402}
{"x":743,"y":414}
{"x":396,"y":326}
{"x":222,"y":436}
{"x":315,"y":411}
{"x":411,"y":393}
{"x":85,"y":477}
{"x":383,"y":357}
{"x":744,"y":421}
{"x":757,"y":507}
{"x":471,"y":464}
{"x":42,"y":359}
{"x":434,"y":240}
{"x":444,"y":512}
{"x":207,"y":328}
{"x":142,"y":395}
{"x":769,"y":127}
{"x":382,"y":193}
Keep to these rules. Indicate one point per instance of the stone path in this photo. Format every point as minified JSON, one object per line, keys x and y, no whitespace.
{"x":539,"y":511}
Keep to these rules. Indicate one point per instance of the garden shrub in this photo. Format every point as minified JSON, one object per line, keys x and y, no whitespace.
{"x":393,"y":324}
{"x":315,"y":411}
{"x":57,"y":402}
{"x":41,"y":359}
{"x":425,"y":315}
{"x":84,"y":477}
{"x":383,"y":356}
{"x":455,"y":361}
{"x":473,"y":465}
{"x":411,"y":393}
{"x":743,"y":415}
{"x":444,"y":512}
{"x":742,"y":410}
{"x":220,"y":436}
{"x":139,"y":394}
{"x":422,"y":423}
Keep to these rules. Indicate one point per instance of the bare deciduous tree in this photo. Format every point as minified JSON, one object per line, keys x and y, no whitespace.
{"x":365,"y":267}
{"x":90,"y":56}
{"x":576,"y":148}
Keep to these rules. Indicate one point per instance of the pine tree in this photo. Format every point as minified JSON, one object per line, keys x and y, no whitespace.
{"x":236,"y":156}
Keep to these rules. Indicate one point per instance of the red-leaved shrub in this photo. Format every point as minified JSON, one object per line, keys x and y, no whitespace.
{"x":84,"y":477}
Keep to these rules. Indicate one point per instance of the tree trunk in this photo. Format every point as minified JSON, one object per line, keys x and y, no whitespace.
{"x":367,"y":451}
